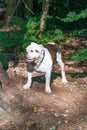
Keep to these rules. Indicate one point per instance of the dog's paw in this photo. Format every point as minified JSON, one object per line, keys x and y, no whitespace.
{"x":26,"y":86}
{"x":64,"y":81}
{"x":48,"y":90}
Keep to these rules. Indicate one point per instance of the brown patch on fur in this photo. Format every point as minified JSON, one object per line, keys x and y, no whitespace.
{"x":53,"y":49}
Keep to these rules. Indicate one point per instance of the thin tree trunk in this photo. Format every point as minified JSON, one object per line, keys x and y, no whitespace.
{"x":45,"y":8}
{"x":28,"y":7}
{"x":9,"y":12}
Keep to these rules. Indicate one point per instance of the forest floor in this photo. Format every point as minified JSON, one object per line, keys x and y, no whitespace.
{"x":64,"y":109}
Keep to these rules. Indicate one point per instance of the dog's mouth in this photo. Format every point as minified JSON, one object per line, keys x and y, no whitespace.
{"x":30,"y":60}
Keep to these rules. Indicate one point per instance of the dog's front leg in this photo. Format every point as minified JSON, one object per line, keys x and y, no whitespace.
{"x":48,"y":78}
{"x":28,"y":84}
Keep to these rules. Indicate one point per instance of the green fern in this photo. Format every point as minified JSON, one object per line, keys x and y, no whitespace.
{"x":73,"y":16}
{"x":80,"y":55}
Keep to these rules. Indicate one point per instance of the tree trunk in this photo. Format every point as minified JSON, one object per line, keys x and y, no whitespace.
{"x":45,"y":8}
{"x":9,"y":12}
{"x":28,"y":7}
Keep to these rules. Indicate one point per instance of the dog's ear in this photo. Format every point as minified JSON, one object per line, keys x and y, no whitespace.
{"x":33,"y":43}
{"x":41,"y":46}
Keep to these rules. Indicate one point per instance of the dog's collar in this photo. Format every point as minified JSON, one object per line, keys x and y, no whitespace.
{"x":40,"y":59}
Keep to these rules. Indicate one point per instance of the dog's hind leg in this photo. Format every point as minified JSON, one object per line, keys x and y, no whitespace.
{"x":61,"y":64}
{"x":28,"y":84}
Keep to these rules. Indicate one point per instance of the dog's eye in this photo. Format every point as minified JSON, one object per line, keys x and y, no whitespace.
{"x":31,"y":50}
{"x":37,"y":51}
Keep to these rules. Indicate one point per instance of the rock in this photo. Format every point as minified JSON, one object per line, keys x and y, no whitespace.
{"x":4,"y":106}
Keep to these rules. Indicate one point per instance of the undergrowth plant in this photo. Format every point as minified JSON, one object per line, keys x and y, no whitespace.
{"x":18,"y":22}
{"x":3,"y":60}
{"x":73,"y":16}
{"x":10,"y":42}
{"x":79,"y":55}
{"x":32,"y":30}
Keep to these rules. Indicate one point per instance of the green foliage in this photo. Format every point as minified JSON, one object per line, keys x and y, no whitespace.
{"x":48,"y":36}
{"x":73,"y":16}
{"x":59,"y":34}
{"x":6,"y":57}
{"x":11,"y":41}
{"x":32,"y":30}
{"x":74,"y":21}
{"x":77,"y":32}
{"x":39,"y":1}
{"x":18,"y":22}
{"x":80,"y":55}
{"x":3,"y":60}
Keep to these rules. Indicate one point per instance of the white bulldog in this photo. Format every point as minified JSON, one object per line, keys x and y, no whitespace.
{"x":41,"y":59}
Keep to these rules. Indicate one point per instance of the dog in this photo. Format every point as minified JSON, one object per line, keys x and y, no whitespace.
{"x":41,"y":59}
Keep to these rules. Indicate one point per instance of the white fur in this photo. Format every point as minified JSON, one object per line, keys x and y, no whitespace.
{"x":61,"y":64}
{"x":45,"y":66}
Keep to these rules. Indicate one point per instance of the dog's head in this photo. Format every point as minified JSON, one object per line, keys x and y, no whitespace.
{"x":33,"y":52}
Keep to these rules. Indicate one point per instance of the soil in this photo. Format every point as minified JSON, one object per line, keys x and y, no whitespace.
{"x":64,"y":109}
